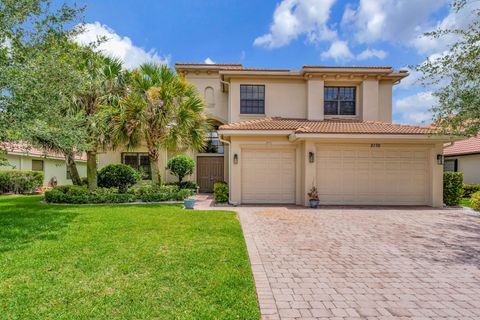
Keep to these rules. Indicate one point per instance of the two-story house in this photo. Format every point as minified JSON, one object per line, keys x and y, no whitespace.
{"x":280,"y":132}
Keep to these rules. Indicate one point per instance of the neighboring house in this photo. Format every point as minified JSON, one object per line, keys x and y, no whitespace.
{"x":280,"y":132}
{"x":22,"y":157}
{"x":464,"y":156}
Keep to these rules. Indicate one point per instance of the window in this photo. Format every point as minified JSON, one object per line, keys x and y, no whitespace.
{"x":450,"y":165}
{"x":252,"y":99}
{"x":37,"y":165}
{"x":140,"y":162}
{"x":213,"y":144}
{"x":69,"y":176}
{"x":339,"y":101}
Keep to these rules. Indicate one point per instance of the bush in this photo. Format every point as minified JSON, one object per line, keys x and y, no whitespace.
{"x":469,"y":189}
{"x":119,"y":176}
{"x":20,"y":181}
{"x":192,"y":185}
{"x":452,"y":188}
{"x":145,"y":193}
{"x":157,"y":193}
{"x":80,"y":194}
{"x":220,"y":192}
{"x":475,"y":200}
{"x":181,"y":166}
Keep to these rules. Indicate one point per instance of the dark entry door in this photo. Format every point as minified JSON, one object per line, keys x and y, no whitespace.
{"x":209,"y":171}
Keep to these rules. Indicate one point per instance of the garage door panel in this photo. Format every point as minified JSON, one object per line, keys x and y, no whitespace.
{"x":362,"y":175}
{"x":268,"y":176}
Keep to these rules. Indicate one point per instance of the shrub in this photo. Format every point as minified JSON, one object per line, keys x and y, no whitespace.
{"x":452,"y":188}
{"x":184,"y":185}
{"x":119,"y":176}
{"x":475,"y":200}
{"x":146,"y":193}
{"x":20,"y":181}
{"x":469,"y":189}
{"x":181,"y":166}
{"x":220,"y":192}
{"x":80,"y":194}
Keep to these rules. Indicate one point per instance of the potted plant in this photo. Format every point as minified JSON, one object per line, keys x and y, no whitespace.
{"x":313,"y":195}
{"x":189,"y":203}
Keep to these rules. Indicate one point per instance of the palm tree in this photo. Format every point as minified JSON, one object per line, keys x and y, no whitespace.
{"x":104,"y":86}
{"x":163,"y":111}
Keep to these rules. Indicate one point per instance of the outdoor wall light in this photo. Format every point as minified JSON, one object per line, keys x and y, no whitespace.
{"x":235,"y":158}
{"x":439,"y":158}
{"x":311,"y":157}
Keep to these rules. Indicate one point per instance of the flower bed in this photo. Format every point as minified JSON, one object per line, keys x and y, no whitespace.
{"x":142,"y":193}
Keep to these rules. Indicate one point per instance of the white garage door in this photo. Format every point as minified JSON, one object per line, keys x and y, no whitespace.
{"x":268,"y":176}
{"x":352,"y":174}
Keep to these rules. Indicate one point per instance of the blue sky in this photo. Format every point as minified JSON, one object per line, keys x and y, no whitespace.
{"x":280,"y":34}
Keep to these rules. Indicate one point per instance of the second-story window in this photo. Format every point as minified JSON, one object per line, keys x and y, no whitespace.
{"x":339,"y":101}
{"x":252,"y":99}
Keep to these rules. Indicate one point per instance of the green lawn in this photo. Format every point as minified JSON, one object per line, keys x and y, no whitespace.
{"x":123,"y":261}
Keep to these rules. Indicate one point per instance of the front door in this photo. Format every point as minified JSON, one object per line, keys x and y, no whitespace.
{"x":209,"y":171}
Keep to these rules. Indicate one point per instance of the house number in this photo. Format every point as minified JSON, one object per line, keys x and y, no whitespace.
{"x":375,"y":145}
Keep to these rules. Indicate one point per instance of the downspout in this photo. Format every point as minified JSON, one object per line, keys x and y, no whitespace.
{"x":230,"y":162}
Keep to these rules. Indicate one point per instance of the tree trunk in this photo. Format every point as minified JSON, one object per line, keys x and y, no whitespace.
{"x":92,"y":169}
{"x":72,"y":169}
{"x":153,"y":156}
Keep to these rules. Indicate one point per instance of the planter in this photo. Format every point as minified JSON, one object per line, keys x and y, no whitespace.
{"x":189,"y":203}
{"x":313,"y":203}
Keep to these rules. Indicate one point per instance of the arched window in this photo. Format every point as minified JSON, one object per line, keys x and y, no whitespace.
{"x":209,"y":97}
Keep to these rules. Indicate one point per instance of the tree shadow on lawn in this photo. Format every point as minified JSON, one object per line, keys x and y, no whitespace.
{"x":23,"y":219}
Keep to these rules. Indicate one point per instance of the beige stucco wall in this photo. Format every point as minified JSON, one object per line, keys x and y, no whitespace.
{"x":51,"y":167}
{"x":470,"y":166}
{"x":285,"y":98}
{"x":219,"y":108}
{"x":115,"y":156}
{"x":385,"y":101}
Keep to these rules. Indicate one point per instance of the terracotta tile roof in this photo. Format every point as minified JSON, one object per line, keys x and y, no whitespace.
{"x":27,"y":150}
{"x":467,"y":146}
{"x":348,"y":67}
{"x":209,"y":64}
{"x":328,"y":126}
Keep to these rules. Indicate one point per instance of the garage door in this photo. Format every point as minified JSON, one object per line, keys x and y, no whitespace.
{"x":268,"y":176}
{"x":353,"y":174}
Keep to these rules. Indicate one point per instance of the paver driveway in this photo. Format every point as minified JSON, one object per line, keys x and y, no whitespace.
{"x":375,"y":263}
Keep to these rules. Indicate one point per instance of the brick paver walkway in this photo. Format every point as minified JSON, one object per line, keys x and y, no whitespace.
{"x":370,"y":263}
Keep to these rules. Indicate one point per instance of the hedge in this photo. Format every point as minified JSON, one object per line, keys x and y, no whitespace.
{"x":147,"y":193}
{"x":469,"y":189}
{"x":452,"y":188}
{"x":475,"y":200}
{"x":220,"y":192}
{"x":20,"y":181}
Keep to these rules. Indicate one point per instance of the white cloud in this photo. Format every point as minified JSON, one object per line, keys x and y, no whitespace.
{"x":209,"y":61}
{"x":338,"y":51}
{"x":454,"y":20}
{"x":415,"y":108}
{"x":293,"y":18}
{"x":118,"y":46}
{"x":395,"y":21}
{"x":371,"y":53}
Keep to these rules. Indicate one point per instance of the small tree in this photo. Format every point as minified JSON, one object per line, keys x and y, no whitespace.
{"x":181,"y":166}
{"x":119,"y":176}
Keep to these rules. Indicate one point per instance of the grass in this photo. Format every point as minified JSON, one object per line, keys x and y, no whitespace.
{"x":124,"y":262}
{"x":465,"y":202}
